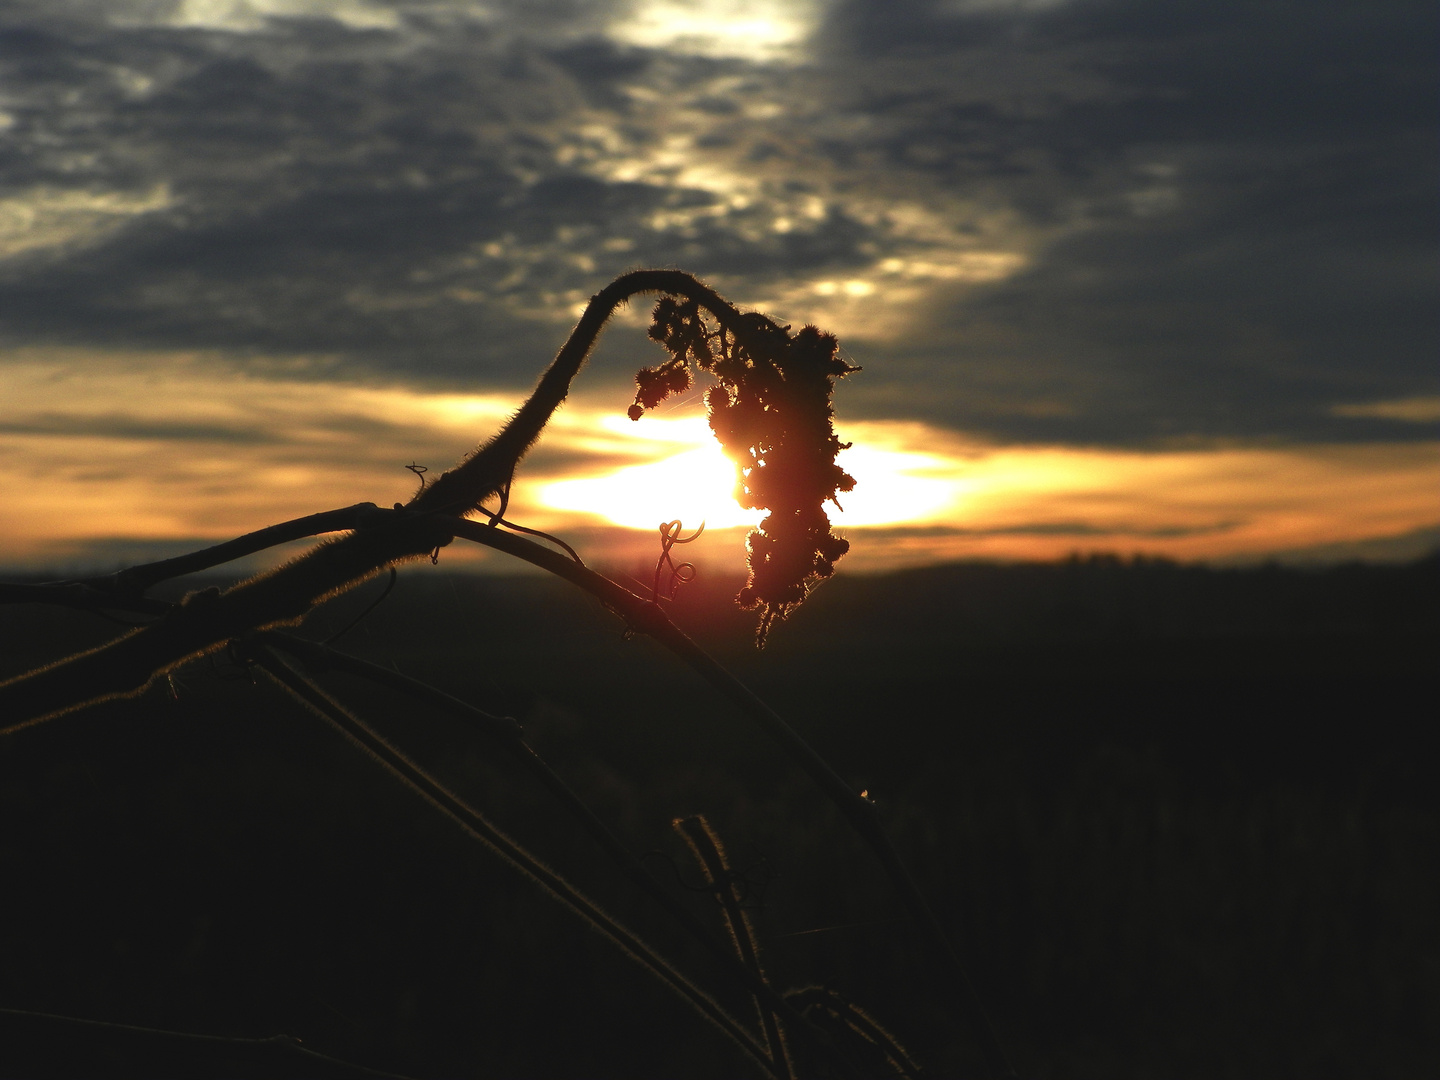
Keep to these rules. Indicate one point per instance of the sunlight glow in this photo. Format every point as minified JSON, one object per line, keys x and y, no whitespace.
{"x":1415,"y":410}
{"x":756,"y":30}
{"x":892,"y":487}
{"x":696,"y":481}
{"x":100,"y":451}
{"x":692,"y":486}
{"x":241,"y":16}
{"x":47,"y":217}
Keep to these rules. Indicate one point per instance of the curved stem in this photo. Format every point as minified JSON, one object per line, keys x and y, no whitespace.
{"x":136,"y":579}
{"x":124,"y":590}
{"x":206,"y":620}
{"x":486,"y":470}
{"x":706,"y":847}
{"x":128,"y":664}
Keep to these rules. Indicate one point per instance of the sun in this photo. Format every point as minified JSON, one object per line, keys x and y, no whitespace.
{"x":688,"y":478}
{"x":691,"y":486}
{"x":893,"y":487}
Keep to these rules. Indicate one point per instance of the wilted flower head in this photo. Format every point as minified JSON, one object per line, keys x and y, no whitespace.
{"x":770,"y":410}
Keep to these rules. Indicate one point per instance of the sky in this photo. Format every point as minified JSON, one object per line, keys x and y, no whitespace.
{"x":1120,"y":276}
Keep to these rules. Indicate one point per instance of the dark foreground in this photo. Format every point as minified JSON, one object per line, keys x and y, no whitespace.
{"x":1183,"y":823}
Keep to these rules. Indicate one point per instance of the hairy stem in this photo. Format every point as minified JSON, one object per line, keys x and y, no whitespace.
{"x":124,"y":590}
{"x":706,"y":847}
{"x":489,"y":468}
{"x":207,"y":620}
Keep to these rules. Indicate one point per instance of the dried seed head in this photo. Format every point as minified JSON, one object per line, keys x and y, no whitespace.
{"x":770,"y":410}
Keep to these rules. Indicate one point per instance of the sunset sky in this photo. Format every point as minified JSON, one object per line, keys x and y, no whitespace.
{"x":1122,"y":276}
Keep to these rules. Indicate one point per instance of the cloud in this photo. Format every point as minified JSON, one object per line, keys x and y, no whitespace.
{"x":1220,"y":233}
{"x":1090,"y":223}
{"x":250,"y":15}
{"x":152,"y":449}
{"x":757,"y":30}
{"x":42,"y":219}
{"x":1417,"y":410}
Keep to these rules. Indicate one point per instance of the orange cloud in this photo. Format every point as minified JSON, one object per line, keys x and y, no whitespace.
{"x":180,"y":448}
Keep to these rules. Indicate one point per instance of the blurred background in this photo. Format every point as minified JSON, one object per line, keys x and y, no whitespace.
{"x":1179,"y":821}
{"x":1134,"y":646}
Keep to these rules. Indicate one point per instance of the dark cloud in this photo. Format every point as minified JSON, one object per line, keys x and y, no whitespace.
{"x":1226,"y":211}
{"x":119,"y":426}
{"x":1250,"y":194}
{"x":397,"y":202}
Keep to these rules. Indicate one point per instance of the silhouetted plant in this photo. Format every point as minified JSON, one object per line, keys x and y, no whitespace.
{"x":770,"y":410}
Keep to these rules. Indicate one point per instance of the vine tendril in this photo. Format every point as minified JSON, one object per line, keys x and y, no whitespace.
{"x":681,"y":573}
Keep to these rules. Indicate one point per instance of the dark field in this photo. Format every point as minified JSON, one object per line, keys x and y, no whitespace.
{"x":1182,"y":822}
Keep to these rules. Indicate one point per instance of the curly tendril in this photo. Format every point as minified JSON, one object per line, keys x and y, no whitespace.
{"x":770,"y":410}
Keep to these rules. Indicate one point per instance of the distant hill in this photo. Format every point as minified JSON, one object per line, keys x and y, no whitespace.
{"x":1182,"y":820}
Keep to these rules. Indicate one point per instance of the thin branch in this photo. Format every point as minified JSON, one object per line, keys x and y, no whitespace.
{"x":136,"y":579}
{"x":504,"y":730}
{"x":124,"y":590}
{"x":478,"y":827}
{"x":206,"y":620}
{"x":496,"y":519}
{"x":389,"y":585}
